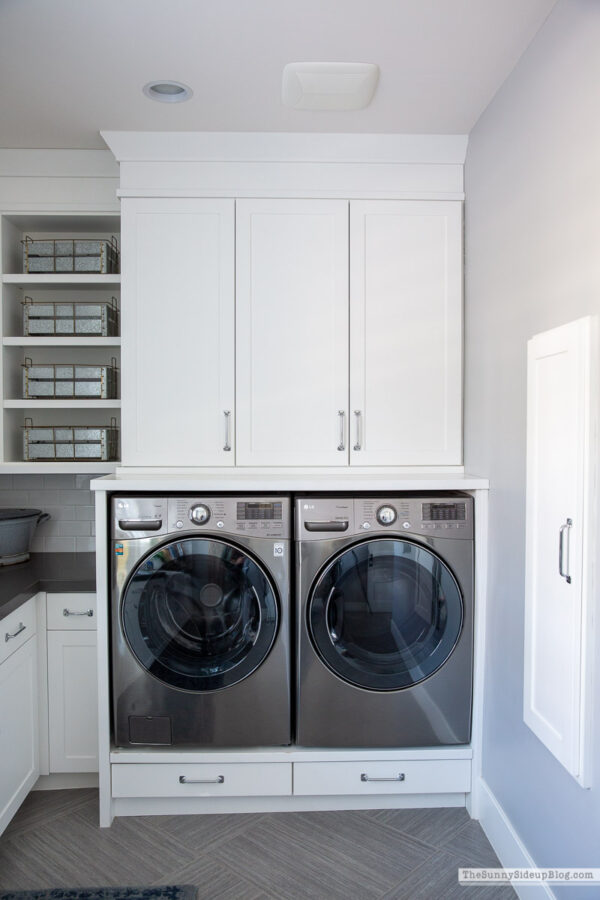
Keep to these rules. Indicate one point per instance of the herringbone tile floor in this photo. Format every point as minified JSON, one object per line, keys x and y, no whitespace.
{"x":54,"y":841}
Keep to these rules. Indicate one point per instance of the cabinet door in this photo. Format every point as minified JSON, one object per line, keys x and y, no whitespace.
{"x":72,"y":701}
{"x":292,"y":332}
{"x":561,"y":406}
{"x":178,"y":332}
{"x":19,"y":741}
{"x":406,"y":332}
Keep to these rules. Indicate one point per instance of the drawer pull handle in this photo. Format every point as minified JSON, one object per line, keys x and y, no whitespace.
{"x":8,"y":636}
{"x":183,"y":779}
{"x":76,"y":612}
{"x":400,"y":777}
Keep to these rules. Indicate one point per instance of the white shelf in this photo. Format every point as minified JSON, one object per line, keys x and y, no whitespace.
{"x":65,"y":403}
{"x":49,"y":468}
{"x":66,"y":341}
{"x":72,"y":278}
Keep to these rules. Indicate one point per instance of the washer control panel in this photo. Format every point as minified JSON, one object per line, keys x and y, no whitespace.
{"x":260,"y":517}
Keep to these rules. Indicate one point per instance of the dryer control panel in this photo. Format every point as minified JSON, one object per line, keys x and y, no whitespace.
{"x":322,"y":518}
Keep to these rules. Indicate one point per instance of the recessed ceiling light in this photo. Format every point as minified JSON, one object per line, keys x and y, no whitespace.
{"x":167,"y":91}
{"x":328,"y":85}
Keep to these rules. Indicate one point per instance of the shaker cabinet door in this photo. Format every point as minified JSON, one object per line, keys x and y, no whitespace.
{"x":406,"y":332}
{"x":19,"y":729}
{"x":72,"y":701}
{"x":178,"y":332}
{"x":292,"y":332}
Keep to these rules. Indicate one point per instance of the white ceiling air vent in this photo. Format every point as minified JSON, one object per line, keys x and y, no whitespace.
{"x":313,"y":85}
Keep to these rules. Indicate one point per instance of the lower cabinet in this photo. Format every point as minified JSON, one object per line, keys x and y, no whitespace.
{"x":415,"y":776}
{"x":72,"y":683}
{"x":342,"y":778}
{"x":19,"y":730}
{"x":202,"y":780}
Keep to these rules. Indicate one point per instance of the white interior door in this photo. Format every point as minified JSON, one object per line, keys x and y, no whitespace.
{"x":559,"y":495}
{"x":72,"y":701}
{"x":292,"y":332}
{"x":178,"y":332}
{"x":406,"y":332}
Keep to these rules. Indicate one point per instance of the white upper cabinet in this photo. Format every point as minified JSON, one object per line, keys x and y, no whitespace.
{"x":178,"y":332}
{"x":292,"y":332}
{"x":406,"y":332}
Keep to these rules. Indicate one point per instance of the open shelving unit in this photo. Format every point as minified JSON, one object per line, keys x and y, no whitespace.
{"x":15,"y":347}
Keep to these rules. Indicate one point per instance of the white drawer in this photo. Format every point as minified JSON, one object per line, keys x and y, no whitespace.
{"x":201,"y":780}
{"x":71,"y":612}
{"x":427,"y":776}
{"x":16,"y":628}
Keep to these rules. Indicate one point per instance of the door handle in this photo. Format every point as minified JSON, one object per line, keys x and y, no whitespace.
{"x":358,"y":415}
{"x":227,"y":444}
{"x":564,"y":550}
{"x":342,"y":418}
{"x":183,"y":779}
{"x":75,"y":612}
{"x":400,"y":777}
{"x":8,"y":636}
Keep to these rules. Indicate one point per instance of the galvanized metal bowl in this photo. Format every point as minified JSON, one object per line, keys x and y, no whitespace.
{"x":16,"y":532}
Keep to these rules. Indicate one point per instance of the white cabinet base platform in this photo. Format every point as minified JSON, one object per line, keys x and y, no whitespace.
{"x":158,"y":782}
{"x":163,"y":806}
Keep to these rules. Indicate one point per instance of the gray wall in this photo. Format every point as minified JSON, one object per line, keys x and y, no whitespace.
{"x":533,"y":262}
{"x":69,"y":501}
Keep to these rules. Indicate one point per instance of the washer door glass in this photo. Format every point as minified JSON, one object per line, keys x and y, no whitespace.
{"x":199,"y":614}
{"x":385,"y":614}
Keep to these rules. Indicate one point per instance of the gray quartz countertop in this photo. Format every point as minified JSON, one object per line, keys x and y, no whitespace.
{"x":52,"y":572}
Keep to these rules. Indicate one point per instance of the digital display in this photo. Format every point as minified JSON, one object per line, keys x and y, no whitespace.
{"x":259,"y":511}
{"x":444,"y":512}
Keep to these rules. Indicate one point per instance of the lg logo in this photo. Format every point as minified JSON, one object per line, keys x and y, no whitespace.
{"x":309,"y":506}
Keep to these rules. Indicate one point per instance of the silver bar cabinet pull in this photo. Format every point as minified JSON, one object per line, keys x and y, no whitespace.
{"x":563,"y":554}
{"x":358,"y":444}
{"x":342,"y":417}
{"x":183,"y":779}
{"x":400,"y":777}
{"x":227,"y":444}
{"x":77,"y":612}
{"x":8,"y":636}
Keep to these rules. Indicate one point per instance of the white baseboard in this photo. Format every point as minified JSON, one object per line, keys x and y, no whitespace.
{"x":61,"y":782}
{"x":509,"y":848}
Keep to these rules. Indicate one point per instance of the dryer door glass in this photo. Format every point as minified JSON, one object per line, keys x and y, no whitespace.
{"x":385,"y":614}
{"x":199,"y":614}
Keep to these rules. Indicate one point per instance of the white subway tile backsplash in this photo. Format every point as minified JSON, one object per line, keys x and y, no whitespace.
{"x":58,"y":481}
{"x":85,"y":513}
{"x":85,"y":544}
{"x":14,"y":498}
{"x":66,"y":498}
{"x":60,"y":544}
{"x":75,"y":498}
{"x":74,"y":529}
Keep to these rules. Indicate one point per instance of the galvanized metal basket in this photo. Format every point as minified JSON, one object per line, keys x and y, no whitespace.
{"x":95,"y":319}
{"x":80,"y":256}
{"x":70,"y":442}
{"x":78,"y":381}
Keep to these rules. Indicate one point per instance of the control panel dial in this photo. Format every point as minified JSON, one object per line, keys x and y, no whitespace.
{"x":199,"y":514}
{"x":386,"y":515}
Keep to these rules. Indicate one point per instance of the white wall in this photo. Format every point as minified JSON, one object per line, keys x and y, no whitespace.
{"x":533,"y":262}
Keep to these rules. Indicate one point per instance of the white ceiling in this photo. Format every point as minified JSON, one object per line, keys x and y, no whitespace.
{"x":69,"y":68}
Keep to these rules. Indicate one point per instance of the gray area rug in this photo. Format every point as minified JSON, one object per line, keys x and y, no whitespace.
{"x":167,"y":892}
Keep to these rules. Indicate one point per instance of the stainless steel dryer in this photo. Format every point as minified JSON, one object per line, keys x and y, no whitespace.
{"x":385,"y":620}
{"x":200,"y":621}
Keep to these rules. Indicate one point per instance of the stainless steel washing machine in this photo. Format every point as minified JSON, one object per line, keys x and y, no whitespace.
{"x":200,"y":621}
{"x":385,"y":620}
